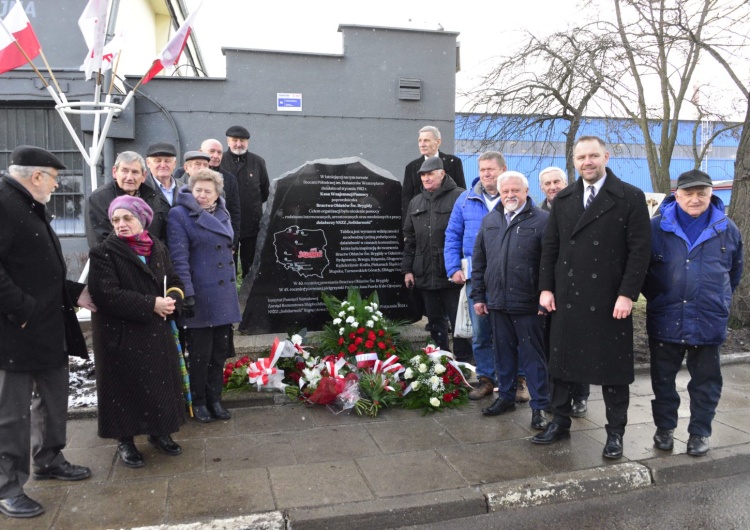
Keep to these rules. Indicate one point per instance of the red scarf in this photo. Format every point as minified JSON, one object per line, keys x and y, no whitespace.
{"x":140,"y":243}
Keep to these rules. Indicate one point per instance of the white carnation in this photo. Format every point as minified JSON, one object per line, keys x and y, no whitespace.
{"x":435,"y":402}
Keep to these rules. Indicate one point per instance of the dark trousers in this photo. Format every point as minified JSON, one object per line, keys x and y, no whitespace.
{"x":246,"y":253}
{"x":616,"y":401}
{"x":209,"y":349}
{"x":704,"y":387}
{"x":45,"y":394}
{"x":581,"y":391}
{"x":439,"y":303}
{"x":520,"y":339}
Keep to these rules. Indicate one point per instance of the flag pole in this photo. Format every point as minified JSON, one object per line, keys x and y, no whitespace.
{"x":51,"y":74}
{"x":114,"y":73}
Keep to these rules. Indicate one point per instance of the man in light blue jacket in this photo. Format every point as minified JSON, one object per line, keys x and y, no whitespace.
{"x":463,"y":227}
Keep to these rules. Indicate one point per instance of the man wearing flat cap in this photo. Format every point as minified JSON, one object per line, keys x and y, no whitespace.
{"x":696,"y":264}
{"x":252,"y":179}
{"x":195,"y":160}
{"x":161,"y":159}
{"x":129,"y":177}
{"x":39,"y":331}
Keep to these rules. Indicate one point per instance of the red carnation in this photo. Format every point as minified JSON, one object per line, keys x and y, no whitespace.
{"x":352,"y":335}
{"x":446,"y":380}
{"x":381,"y":333}
{"x":358,"y":341}
{"x":448,"y":398}
{"x":381,"y":345}
{"x":457,"y":380}
{"x":360,"y":331}
{"x":371,"y":335}
{"x":352,"y":348}
{"x":369,"y":344}
{"x":341,"y":341}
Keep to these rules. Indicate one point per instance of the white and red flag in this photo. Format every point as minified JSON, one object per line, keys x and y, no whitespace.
{"x":15,"y":27}
{"x":93,"y":24}
{"x":170,"y":55}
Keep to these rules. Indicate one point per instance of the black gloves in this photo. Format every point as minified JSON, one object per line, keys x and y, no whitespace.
{"x":188,"y":307}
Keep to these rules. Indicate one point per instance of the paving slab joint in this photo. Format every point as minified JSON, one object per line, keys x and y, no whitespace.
{"x":563,"y":487}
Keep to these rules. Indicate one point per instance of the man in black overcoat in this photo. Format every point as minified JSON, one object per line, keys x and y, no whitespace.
{"x":594,"y":259}
{"x":39,"y":331}
{"x":252,"y":179}
{"x":429,"y":145}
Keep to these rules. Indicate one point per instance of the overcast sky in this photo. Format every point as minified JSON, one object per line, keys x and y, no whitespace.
{"x":486,"y":29}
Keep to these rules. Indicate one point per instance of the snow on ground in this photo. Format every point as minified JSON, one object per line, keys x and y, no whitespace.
{"x":82,"y":383}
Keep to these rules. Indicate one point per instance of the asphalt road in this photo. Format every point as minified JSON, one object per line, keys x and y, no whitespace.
{"x":716,"y":503}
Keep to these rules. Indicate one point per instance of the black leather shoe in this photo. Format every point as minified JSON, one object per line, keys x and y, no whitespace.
{"x":664,"y":439}
{"x":218,"y":411}
{"x":130,"y":455}
{"x":552,"y":433}
{"x":20,"y":507}
{"x":613,"y":447}
{"x":65,"y":471}
{"x":697,"y":445}
{"x":579,"y":408}
{"x":200,"y":413}
{"x":500,"y":406}
{"x":165,"y":444}
{"x":538,"y":420}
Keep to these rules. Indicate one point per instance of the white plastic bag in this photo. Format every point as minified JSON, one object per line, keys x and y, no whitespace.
{"x":463,"y":320}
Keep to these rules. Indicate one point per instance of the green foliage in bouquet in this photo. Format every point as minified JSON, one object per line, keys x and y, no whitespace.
{"x":358,"y":326}
{"x":434,"y":384}
{"x":377,"y":392}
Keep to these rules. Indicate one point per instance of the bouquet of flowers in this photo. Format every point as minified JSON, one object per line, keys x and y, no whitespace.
{"x":435,"y":381}
{"x":235,"y":374}
{"x":359,"y":331}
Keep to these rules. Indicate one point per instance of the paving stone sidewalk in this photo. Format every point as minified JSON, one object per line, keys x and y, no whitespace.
{"x":305,"y":467}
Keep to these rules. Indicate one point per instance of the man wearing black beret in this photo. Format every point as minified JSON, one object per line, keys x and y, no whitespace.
{"x":252,"y":178}
{"x":39,"y":331}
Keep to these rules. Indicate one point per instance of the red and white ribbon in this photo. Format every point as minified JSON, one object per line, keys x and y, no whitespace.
{"x":334,"y":367}
{"x":264,"y":373}
{"x":366,"y":360}
{"x":390,"y":365}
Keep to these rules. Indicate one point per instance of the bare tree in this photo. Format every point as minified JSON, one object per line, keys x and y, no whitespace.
{"x":529,"y":92}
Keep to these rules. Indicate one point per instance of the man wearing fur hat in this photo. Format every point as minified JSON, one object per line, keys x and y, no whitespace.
{"x":39,"y":331}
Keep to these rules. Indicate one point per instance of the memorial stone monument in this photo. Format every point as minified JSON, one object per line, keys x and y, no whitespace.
{"x":329,"y":225}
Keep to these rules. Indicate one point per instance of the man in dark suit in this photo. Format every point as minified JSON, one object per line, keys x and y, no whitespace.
{"x":39,"y":331}
{"x":594,"y":259}
{"x":429,"y":145}
{"x":552,"y":180}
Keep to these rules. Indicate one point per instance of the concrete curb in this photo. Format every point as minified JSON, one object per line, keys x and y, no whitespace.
{"x":391,"y":512}
{"x":575,"y":485}
{"x":258,"y":521}
{"x":720,"y":462}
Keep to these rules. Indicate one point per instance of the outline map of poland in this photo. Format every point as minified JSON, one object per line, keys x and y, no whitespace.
{"x":302,"y":251}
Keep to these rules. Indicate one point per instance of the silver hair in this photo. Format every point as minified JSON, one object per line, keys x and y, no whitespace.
{"x":497,"y":156}
{"x":432,"y":130}
{"x":512,"y":175}
{"x":549,"y":170}
{"x":24,"y":172}
{"x":130,"y":156}
{"x":207,"y":175}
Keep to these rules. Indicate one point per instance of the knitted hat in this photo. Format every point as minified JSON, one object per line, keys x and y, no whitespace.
{"x":134,"y":205}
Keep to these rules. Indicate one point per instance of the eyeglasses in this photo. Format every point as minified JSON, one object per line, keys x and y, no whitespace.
{"x":54,"y":177}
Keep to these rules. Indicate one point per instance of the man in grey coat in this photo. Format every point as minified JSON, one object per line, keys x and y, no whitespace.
{"x":594,"y":259}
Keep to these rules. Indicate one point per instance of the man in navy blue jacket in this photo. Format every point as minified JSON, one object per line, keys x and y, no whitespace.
{"x":696,"y":264}
{"x":505,"y":274}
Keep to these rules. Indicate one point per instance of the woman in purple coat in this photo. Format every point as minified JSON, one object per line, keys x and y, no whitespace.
{"x":199,"y":234}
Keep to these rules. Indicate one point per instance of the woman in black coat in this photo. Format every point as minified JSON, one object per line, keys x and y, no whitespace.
{"x":139,"y":387}
{"x":423,"y":264}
